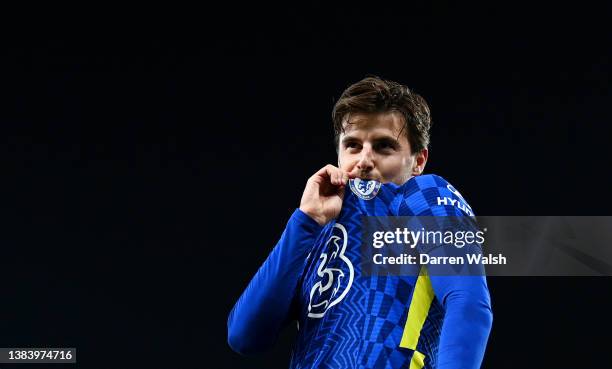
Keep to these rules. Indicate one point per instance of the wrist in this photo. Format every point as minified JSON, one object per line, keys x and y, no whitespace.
{"x":313,"y":215}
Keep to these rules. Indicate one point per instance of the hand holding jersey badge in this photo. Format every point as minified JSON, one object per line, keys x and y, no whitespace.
{"x":324,"y":192}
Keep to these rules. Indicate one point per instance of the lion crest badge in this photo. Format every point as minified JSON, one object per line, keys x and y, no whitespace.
{"x":365,"y":189}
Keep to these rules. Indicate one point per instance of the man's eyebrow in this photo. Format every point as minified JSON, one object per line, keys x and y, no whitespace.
{"x":386,"y":139}
{"x":346,"y":139}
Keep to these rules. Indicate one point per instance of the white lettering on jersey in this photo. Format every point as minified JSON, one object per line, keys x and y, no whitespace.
{"x":463,"y":206}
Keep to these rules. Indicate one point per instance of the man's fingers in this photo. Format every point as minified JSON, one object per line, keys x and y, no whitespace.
{"x":341,"y":177}
{"x":345,"y":177}
{"x":321,"y":175}
{"x":341,"y":192}
{"x":334,"y":175}
{"x":329,"y":171}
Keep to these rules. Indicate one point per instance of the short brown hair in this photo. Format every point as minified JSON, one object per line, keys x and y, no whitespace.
{"x":375,"y":95}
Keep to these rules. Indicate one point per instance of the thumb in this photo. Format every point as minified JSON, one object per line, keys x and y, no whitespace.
{"x":353,"y":173}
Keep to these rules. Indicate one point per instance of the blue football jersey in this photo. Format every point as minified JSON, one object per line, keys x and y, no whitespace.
{"x":347,"y":320}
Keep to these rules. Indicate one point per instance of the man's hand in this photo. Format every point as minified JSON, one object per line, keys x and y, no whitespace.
{"x":324,"y":192}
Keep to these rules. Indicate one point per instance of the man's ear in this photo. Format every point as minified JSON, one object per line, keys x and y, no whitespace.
{"x":419,"y":162}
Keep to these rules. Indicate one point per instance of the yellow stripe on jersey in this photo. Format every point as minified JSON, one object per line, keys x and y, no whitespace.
{"x":417,"y":312}
{"x":417,"y":361}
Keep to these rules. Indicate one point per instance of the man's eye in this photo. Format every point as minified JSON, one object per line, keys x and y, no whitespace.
{"x":385,"y":145}
{"x":351,"y":145}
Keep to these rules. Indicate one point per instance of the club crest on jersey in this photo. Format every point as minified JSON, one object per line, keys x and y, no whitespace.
{"x":365,"y":189}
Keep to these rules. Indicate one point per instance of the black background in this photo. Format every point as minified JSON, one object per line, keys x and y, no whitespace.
{"x":151,"y":158}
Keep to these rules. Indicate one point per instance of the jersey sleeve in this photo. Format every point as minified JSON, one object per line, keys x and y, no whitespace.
{"x":264,"y":306}
{"x":465,"y":298}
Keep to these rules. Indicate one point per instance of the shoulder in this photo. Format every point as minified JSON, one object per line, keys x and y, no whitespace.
{"x":431,"y":194}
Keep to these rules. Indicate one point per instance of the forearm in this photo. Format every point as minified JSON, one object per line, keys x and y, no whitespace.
{"x":467,"y":321}
{"x":263,"y":307}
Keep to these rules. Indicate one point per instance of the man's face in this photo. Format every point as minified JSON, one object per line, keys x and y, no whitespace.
{"x":374,"y":146}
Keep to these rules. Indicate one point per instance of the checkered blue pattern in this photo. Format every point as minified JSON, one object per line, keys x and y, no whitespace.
{"x":347,"y":320}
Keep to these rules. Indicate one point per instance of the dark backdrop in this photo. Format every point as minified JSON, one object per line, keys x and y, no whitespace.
{"x":151,"y":158}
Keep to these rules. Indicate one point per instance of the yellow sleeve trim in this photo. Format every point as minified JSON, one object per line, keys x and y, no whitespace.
{"x":417,"y":361}
{"x":417,"y":312}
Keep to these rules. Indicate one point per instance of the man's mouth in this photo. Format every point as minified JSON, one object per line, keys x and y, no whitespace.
{"x":368,"y":178}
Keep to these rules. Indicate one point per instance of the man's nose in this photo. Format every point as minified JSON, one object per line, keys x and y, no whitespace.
{"x":365,"y":163}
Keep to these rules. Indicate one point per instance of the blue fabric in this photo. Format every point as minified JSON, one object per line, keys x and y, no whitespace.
{"x":349,"y":320}
{"x":467,"y":322}
{"x":263,"y":308}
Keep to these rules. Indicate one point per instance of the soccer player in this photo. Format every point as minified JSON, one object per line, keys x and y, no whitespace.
{"x":347,"y":319}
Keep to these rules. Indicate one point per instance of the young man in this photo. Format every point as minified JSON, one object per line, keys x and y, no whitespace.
{"x":347,"y":319}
